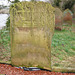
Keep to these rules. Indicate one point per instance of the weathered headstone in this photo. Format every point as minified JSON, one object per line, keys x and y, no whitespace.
{"x":32,"y":27}
{"x":58,"y":19}
{"x":67,"y":17}
{"x":73,"y":20}
{"x":74,"y":11}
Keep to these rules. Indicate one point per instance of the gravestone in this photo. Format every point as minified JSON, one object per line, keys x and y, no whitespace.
{"x":67,"y":17}
{"x":32,"y":28}
{"x":58,"y":19}
{"x":73,"y":20}
{"x":74,"y":11}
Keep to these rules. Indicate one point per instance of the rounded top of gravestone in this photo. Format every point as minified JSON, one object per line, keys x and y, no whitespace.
{"x":32,"y":14}
{"x":58,"y":12}
{"x":73,"y":8}
{"x":67,"y":11}
{"x":29,"y":5}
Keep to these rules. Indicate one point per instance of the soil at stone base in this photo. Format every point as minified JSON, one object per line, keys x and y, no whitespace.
{"x":9,"y":70}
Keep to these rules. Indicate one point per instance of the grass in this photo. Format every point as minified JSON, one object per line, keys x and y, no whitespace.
{"x":64,"y":40}
{"x":4,"y":45}
{"x":5,"y":38}
{"x":63,"y":47}
{"x":73,"y":25}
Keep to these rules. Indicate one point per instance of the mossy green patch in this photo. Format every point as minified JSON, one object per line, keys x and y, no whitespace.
{"x":32,"y":27}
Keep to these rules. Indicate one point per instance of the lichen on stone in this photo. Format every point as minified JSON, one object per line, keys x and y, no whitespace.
{"x":32,"y":28}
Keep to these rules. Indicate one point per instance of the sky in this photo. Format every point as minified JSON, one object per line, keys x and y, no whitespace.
{"x":6,"y":3}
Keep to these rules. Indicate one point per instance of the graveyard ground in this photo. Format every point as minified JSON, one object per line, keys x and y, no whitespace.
{"x":63,"y":48}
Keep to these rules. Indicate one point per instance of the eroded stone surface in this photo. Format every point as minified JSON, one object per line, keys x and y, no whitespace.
{"x":67,"y":17}
{"x":32,"y":27}
{"x":58,"y":19}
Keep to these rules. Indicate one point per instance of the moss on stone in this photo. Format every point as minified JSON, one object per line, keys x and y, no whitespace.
{"x":32,"y":27}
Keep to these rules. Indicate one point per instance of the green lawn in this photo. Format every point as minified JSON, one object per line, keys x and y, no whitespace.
{"x":4,"y":45}
{"x":63,"y":48}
